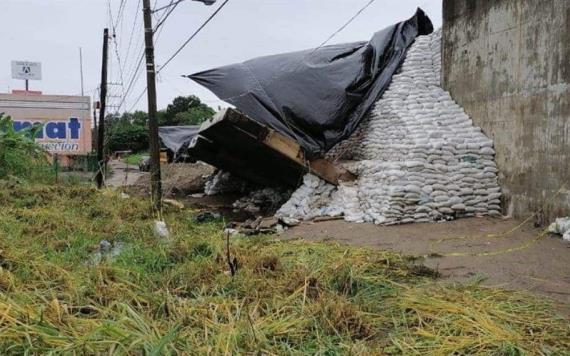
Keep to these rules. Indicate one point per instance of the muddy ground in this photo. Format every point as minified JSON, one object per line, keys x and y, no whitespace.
{"x":505,"y":253}
{"x":178,"y":180}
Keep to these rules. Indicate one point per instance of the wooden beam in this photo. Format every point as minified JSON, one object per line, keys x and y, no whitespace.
{"x":260,"y":154}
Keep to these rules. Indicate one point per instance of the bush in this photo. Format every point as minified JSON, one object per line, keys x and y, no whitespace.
{"x":20,"y":156}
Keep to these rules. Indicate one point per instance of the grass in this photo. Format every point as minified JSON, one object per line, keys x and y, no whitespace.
{"x":61,"y":294}
{"x":134,"y":159}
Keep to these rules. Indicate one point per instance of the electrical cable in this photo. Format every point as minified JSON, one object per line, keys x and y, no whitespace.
{"x":345,"y":25}
{"x":193,"y":35}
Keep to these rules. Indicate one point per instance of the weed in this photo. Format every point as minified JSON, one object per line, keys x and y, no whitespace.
{"x":178,"y":297}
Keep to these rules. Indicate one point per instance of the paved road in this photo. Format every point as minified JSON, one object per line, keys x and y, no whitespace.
{"x":122,"y":174}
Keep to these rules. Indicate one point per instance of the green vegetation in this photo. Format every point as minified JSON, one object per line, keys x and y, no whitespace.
{"x":20,"y":156}
{"x":60,"y":293}
{"x":129,"y":131}
{"x":134,"y":158}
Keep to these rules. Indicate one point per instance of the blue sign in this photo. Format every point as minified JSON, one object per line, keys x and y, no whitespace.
{"x":56,"y":130}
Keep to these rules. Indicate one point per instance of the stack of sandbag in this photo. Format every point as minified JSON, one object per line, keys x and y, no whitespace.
{"x":419,"y":157}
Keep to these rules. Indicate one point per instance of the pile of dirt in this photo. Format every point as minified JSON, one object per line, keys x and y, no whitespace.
{"x":178,"y":180}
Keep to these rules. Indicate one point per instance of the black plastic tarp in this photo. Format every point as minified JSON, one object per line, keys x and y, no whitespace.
{"x":177,"y":137}
{"x":317,"y":97}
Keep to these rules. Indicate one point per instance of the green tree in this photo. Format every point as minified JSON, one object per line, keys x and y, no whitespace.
{"x":185,"y":110}
{"x":129,"y":131}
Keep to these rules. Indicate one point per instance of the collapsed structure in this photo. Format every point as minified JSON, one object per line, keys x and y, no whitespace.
{"x":416,"y":155}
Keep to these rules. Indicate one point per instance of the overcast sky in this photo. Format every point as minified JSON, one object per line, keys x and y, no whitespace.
{"x":51,"y":32}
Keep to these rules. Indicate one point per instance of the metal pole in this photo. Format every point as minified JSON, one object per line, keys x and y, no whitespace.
{"x":103,"y":100}
{"x":81,"y":68}
{"x":152,"y":117}
{"x":27,"y":87}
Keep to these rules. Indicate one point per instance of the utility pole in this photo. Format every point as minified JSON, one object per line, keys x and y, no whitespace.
{"x":103,"y":101}
{"x":156,"y":184}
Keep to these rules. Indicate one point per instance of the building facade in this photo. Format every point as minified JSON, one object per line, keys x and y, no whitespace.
{"x":65,"y":121}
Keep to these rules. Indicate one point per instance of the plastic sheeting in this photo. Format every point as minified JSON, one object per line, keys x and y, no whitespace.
{"x":317,"y":97}
{"x":177,"y":137}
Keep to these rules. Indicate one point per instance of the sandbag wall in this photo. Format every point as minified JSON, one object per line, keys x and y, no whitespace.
{"x":418,"y":155}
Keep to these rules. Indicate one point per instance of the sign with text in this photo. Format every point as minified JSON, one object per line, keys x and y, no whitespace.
{"x":65,"y":121}
{"x":55,"y":136}
{"x":26,"y":70}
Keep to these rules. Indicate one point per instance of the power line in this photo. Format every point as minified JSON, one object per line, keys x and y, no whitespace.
{"x":137,"y":100}
{"x":346,"y":24}
{"x":358,"y":13}
{"x":161,"y":21}
{"x":133,"y":79}
{"x":167,"y":6}
{"x":120,"y":13}
{"x":136,"y":74}
{"x":193,"y":35}
{"x":133,"y":29}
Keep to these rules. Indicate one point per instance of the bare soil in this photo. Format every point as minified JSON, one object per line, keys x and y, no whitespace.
{"x":506,"y":253}
{"x":178,"y":180}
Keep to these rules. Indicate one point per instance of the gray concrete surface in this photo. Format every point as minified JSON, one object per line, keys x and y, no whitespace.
{"x":122,"y":174}
{"x":507,"y":62}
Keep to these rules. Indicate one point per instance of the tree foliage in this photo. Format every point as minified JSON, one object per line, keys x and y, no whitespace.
{"x":186,"y":110}
{"x":129,"y":131}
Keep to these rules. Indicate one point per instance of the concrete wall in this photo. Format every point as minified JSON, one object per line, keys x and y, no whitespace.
{"x":507,"y":62}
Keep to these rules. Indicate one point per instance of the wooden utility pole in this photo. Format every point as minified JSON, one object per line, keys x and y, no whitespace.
{"x":103,"y":101}
{"x":156,"y":184}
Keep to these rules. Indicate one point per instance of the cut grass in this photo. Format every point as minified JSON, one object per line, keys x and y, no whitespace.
{"x":177,"y":296}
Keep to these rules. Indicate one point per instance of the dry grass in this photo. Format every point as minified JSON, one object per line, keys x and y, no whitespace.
{"x":177,"y":297}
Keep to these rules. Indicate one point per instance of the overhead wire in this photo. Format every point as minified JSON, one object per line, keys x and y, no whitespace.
{"x":122,"y":6}
{"x":167,"y":6}
{"x":358,"y":13}
{"x":165,"y":17}
{"x":177,"y":52}
{"x":210,"y":18}
{"x":157,"y":30}
{"x":136,"y":73}
{"x":133,"y":30}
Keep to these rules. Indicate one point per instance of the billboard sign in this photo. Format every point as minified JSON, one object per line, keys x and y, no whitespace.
{"x":26,"y":70}
{"x":65,"y":120}
{"x":56,"y":136}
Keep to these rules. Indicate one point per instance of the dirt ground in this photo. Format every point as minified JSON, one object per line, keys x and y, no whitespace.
{"x":122,"y":174}
{"x":178,"y":179}
{"x":504,"y":252}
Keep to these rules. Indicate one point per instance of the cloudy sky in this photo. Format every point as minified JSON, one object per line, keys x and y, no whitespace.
{"x":51,"y":32}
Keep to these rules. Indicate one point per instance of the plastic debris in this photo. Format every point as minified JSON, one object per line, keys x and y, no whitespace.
{"x":161,"y":230}
{"x":561,"y":227}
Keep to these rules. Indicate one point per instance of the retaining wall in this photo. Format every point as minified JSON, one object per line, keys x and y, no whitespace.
{"x":507,"y":63}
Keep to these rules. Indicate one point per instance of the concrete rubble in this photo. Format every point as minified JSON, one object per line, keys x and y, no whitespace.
{"x":267,"y":200}
{"x":223,"y":182}
{"x":418,"y":156}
